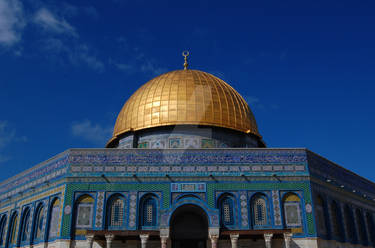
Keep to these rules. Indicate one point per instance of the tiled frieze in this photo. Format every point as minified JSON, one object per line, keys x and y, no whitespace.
{"x":44,"y":172}
{"x":53,"y":191}
{"x":177,"y":169}
{"x":189,"y":156}
{"x":324,"y":169}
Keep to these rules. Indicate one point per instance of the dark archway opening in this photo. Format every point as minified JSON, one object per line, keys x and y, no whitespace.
{"x":189,"y":227}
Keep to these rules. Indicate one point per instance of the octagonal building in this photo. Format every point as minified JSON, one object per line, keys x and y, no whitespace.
{"x":187,"y":167}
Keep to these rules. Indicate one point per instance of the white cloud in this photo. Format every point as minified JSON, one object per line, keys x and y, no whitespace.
{"x":73,"y":53}
{"x":124,"y":67}
{"x":91,"y":132}
{"x":7,"y":136}
{"x":11,"y":22}
{"x":83,"y":54}
{"x":150,"y":66}
{"x":52,"y":23}
{"x":256,"y":104}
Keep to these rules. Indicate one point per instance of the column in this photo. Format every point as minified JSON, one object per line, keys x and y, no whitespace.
{"x":90,"y":240}
{"x":163,"y":240}
{"x":234,"y":239}
{"x":287,"y":239}
{"x":144,"y":239}
{"x":268,"y":239}
{"x":109,"y":238}
{"x":214,"y":238}
{"x":164,"y":235}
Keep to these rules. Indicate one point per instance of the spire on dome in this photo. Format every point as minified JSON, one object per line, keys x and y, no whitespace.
{"x":185,"y":54}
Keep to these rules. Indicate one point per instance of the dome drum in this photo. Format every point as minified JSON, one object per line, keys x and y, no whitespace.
{"x":186,"y":136}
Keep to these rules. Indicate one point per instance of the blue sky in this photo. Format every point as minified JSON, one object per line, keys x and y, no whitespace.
{"x":307,"y":69}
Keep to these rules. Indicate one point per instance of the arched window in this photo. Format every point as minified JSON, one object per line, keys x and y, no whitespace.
{"x":259,"y":210}
{"x":148,"y":212}
{"x":292,"y":212}
{"x":361,"y":227}
{"x":371,"y":226}
{"x":350,"y":224}
{"x":25,"y":225}
{"x":116,"y":212}
{"x":38,"y":223}
{"x":54,"y":219}
{"x":3,"y":221}
{"x":84,"y":213}
{"x":226,"y":205}
{"x":320,"y":216}
{"x":12,"y":235}
{"x":337,"y":229}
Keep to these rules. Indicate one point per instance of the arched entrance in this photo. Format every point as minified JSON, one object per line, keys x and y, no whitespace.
{"x":189,"y":227}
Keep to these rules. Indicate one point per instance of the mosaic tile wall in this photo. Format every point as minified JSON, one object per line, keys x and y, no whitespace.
{"x":88,"y":164}
{"x":191,"y":137}
{"x":134,"y":192}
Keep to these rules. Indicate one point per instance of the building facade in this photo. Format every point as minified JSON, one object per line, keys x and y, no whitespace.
{"x":187,"y":167}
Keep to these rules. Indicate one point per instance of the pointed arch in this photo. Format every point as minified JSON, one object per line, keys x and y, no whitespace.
{"x":3,"y":221}
{"x":83,"y":214}
{"x":259,"y":210}
{"x":320,"y":215}
{"x":350,"y":224}
{"x":54,"y":216}
{"x":337,"y":229}
{"x":116,"y":212}
{"x":148,"y":212}
{"x":371,"y":227}
{"x":362,"y":236}
{"x":37,"y":233}
{"x":292,"y":210}
{"x":25,"y":226}
{"x":226,"y":205}
{"x":12,"y":229}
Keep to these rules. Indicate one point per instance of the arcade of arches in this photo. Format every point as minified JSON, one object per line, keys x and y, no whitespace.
{"x":189,"y":228}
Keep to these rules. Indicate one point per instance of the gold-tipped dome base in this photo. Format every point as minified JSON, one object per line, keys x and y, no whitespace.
{"x":185,"y":97}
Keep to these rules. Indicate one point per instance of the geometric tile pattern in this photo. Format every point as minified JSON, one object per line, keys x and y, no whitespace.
{"x":132,"y":210}
{"x":99,"y":209}
{"x":244,"y":210}
{"x":276,"y":207}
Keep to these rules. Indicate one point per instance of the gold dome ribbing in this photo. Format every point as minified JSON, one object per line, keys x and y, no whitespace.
{"x":185,"y":97}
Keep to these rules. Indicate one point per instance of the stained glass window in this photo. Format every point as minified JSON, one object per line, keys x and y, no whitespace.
{"x":227,"y":217}
{"x":371,"y":227}
{"x":149,"y":212}
{"x":260,"y":211}
{"x":348,"y":215}
{"x":25,"y":225}
{"x":336,"y":220}
{"x":319,"y":210}
{"x":361,"y":226}
{"x":54,"y":219}
{"x":117,"y":212}
{"x":2,"y":229}
{"x":292,"y":211}
{"x":13,"y":226}
{"x":38,"y":229}
{"x":85,"y":210}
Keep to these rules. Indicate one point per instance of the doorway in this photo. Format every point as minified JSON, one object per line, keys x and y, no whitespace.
{"x":189,"y":227}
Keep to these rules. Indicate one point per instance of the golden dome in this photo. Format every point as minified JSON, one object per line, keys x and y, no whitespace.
{"x":185,"y":97}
